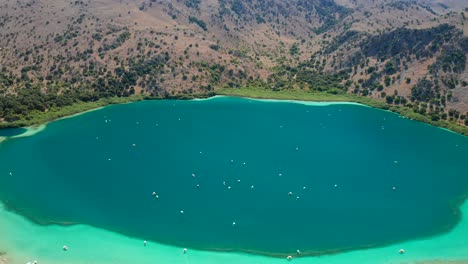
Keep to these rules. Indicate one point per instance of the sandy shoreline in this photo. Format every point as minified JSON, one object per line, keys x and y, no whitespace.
{"x":25,"y":241}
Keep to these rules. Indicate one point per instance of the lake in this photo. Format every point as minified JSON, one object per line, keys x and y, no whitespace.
{"x":243,"y":175}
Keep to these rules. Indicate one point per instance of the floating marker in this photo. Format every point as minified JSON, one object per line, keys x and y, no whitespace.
{"x":65,"y":248}
{"x":144,"y":243}
{"x":181,"y":211}
{"x":185,"y":250}
{"x":289,"y":193}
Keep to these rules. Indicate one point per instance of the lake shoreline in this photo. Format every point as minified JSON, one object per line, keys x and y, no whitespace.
{"x":390,"y":250}
{"x":323,"y":97}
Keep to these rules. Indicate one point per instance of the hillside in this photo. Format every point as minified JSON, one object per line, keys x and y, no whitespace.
{"x":407,"y":53}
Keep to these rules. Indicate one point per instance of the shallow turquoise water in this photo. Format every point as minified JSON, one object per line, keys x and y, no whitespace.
{"x":87,"y":170}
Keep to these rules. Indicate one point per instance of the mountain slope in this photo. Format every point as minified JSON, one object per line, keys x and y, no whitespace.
{"x":403,"y":52}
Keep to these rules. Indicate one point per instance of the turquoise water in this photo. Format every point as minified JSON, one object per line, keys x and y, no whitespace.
{"x":395,"y":179}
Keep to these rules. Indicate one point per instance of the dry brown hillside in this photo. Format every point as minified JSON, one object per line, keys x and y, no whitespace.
{"x":64,"y":51}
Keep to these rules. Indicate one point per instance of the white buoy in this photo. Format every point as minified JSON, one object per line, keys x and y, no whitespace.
{"x":224,"y":183}
{"x":198,"y":186}
{"x":181,"y":211}
{"x":109,"y":159}
{"x":65,"y":248}
{"x":252,"y":187}
{"x":303,"y":188}
{"x":229,"y":187}
{"x":144,"y":243}
{"x":401,"y":251}
{"x":395,"y":161}
{"x":133,"y":145}
{"x":233,"y":223}
{"x":298,"y":252}
{"x":244,"y":163}
{"x":280,"y":174}
{"x":297,"y":148}
{"x":289,"y":258}
{"x":297,"y":197}
{"x":289,"y":193}
{"x":193,"y":175}
{"x":336,"y":185}
{"x":185,"y":250}
{"x":11,"y":173}
{"x":154,"y":194}
{"x":238,"y":181}
{"x":394,"y":188}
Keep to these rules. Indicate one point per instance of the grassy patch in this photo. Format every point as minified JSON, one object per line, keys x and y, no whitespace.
{"x":303,"y":95}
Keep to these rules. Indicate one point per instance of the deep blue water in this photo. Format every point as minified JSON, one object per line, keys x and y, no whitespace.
{"x":358,"y":176}
{"x":9,"y":132}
